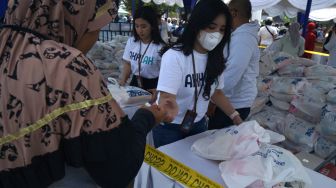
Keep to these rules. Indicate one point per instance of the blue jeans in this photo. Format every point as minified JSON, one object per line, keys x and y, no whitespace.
{"x":168,"y":133}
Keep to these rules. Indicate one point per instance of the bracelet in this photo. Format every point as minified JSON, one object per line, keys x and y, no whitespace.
{"x":234,"y":114}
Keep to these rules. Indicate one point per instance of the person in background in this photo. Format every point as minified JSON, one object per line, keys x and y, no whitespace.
{"x":141,"y":56}
{"x":282,"y":31}
{"x":292,"y":43}
{"x":242,"y":69}
{"x":55,"y":105}
{"x":310,"y":39}
{"x":163,"y":26}
{"x":174,"y":24}
{"x":170,"y":25}
{"x":330,"y":46}
{"x":192,"y":72}
{"x":267,"y":34}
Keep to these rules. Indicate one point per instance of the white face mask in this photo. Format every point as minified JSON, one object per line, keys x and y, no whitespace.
{"x":209,"y":41}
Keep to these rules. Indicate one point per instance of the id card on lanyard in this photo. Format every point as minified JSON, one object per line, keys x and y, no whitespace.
{"x":139,"y":80}
{"x":190,"y":116}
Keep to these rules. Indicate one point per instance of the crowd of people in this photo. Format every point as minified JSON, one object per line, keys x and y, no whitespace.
{"x":56,"y":109}
{"x":288,"y":38}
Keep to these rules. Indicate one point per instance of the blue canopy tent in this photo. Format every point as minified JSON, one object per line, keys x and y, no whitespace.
{"x":3,"y":7}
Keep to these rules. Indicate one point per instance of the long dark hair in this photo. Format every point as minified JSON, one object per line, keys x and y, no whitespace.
{"x":150,"y":15}
{"x":201,"y":17}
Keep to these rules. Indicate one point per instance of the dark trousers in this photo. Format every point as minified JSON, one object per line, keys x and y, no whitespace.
{"x":169,"y":132}
{"x":148,"y":83}
{"x":117,"y":166}
{"x":221,"y":120}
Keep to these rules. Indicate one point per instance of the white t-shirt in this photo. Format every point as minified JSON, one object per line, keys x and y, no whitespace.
{"x":265,"y":35}
{"x":150,"y":65}
{"x":176,"y":78}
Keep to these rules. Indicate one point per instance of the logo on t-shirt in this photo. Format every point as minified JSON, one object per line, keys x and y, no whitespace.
{"x":135,"y":56}
{"x":148,"y":60}
{"x":191,"y":80}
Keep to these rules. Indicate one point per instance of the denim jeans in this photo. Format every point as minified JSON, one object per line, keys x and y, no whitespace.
{"x":168,"y":133}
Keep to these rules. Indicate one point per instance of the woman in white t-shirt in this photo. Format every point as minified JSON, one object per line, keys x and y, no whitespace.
{"x":141,"y":53}
{"x":192,"y":70}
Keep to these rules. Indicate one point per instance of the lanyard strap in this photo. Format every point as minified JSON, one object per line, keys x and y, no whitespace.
{"x":195,"y":83}
{"x":142,"y":56}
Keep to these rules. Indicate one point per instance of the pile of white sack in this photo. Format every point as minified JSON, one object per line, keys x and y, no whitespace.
{"x":297,"y":98}
{"x":248,"y":158}
{"x":107,"y":56}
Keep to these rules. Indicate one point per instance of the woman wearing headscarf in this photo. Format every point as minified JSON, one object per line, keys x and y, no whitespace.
{"x":55,"y":107}
{"x":330,"y":46}
{"x":292,"y":43}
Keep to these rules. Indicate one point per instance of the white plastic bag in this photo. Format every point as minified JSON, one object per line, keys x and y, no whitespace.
{"x":322,"y":86}
{"x":271,"y":164}
{"x":291,"y":86}
{"x":282,"y":96}
{"x":292,"y":70}
{"x":303,"y":61}
{"x":128,"y":95}
{"x":327,"y":125}
{"x":266,"y":68}
{"x":271,"y":118}
{"x":258,"y":105}
{"x":320,"y":70}
{"x":282,"y":105}
{"x":300,"y":131}
{"x":263,"y":84}
{"x":235,"y":142}
{"x":331,"y":97}
{"x":307,"y":108}
{"x":324,"y":147}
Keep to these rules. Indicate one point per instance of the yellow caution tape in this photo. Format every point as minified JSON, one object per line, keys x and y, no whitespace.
{"x":176,"y":170}
{"x":308,"y":51}
{"x":317,"y":53}
{"x":53,"y":115}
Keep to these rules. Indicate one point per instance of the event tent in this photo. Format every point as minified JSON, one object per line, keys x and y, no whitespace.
{"x":322,"y":10}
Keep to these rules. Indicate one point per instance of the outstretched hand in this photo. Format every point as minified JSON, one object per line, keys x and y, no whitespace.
{"x":171,"y":108}
{"x":165,"y":111}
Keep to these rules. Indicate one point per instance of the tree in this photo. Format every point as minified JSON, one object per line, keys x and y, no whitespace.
{"x":161,"y":9}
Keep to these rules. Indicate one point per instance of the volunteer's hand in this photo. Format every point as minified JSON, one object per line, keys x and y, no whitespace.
{"x":165,"y":111}
{"x":122,"y":82}
{"x":170,"y":107}
{"x":158,"y":112}
{"x":237,"y":120}
{"x":211,"y":109}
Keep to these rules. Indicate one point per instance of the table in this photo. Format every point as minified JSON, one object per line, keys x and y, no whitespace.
{"x":149,"y":177}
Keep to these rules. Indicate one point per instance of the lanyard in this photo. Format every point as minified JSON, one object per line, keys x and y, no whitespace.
{"x":195,"y":83}
{"x":142,"y":56}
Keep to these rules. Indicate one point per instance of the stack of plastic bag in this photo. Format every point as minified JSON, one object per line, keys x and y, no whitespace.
{"x":107,"y":56}
{"x":304,"y":89}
